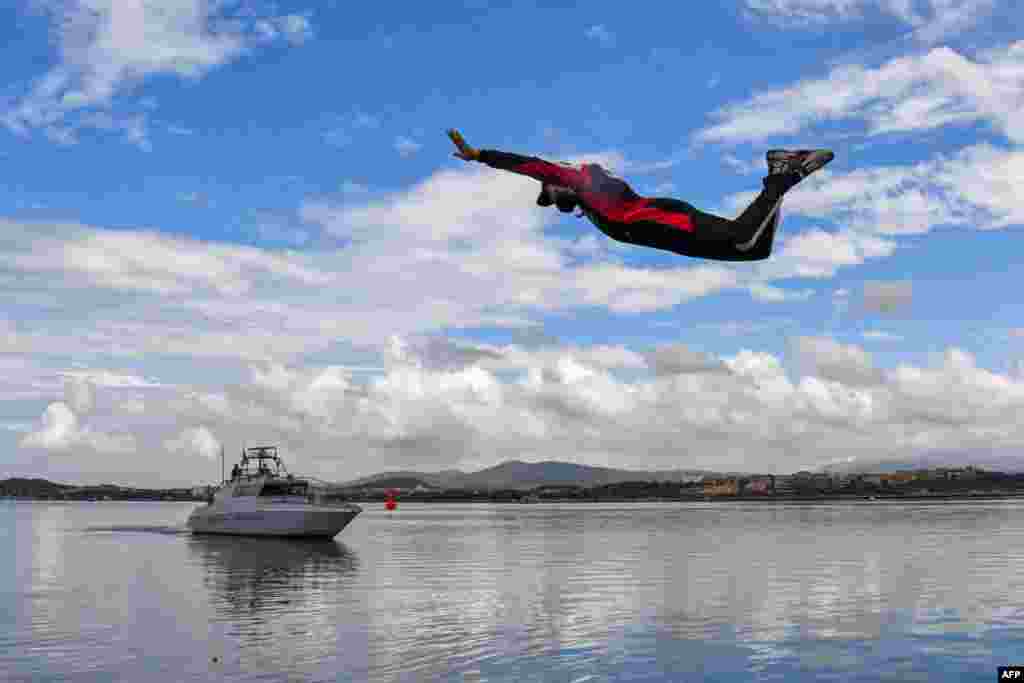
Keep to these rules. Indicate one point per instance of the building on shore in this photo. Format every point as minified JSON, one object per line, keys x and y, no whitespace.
{"x":897,"y":478}
{"x":758,"y":486}
{"x":721,"y":487}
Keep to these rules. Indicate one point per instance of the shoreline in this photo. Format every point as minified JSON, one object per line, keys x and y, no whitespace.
{"x":825,"y":498}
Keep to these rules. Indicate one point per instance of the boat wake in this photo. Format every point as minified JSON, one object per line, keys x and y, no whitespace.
{"x":139,"y":528}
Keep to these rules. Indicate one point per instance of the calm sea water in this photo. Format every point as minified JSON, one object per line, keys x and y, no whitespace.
{"x":657,"y":592}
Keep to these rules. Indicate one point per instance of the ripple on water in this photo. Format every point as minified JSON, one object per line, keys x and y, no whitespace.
{"x":544,"y":592}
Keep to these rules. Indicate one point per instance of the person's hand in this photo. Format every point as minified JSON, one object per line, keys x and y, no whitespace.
{"x":466,"y":153}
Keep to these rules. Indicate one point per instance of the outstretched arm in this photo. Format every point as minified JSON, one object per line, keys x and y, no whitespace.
{"x":539,"y":169}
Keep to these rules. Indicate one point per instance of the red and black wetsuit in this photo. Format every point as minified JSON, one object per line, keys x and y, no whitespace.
{"x":658,"y":222}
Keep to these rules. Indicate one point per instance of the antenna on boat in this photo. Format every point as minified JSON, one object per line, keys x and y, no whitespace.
{"x":222,"y":475}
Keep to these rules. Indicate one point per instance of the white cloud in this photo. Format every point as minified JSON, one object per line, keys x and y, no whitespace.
{"x":463,"y":248}
{"x":601,"y":34}
{"x":845,"y":363}
{"x":806,"y":11}
{"x":58,"y":428}
{"x":468,"y":226}
{"x":907,"y":94}
{"x":59,"y":431}
{"x":987,"y":180}
{"x":449,"y":204}
{"x":677,"y":359}
{"x":132,"y":406}
{"x":819,"y":254}
{"x":406,"y":146}
{"x":957,"y":393}
{"x":975,"y":188}
{"x":195,"y":441}
{"x":108,"y":378}
{"x":770,"y":294}
{"x":107,"y":47}
{"x":604,"y":357}
{"x":635,"y":290}
{"x":930,"y":20}
{"x":149,"y":261}
{"x":893,"y":200}
{"x":78,"y":393}
{"x":429,"y":409}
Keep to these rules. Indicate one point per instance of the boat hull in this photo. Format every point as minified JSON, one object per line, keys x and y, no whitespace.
{"x":293,"y":521}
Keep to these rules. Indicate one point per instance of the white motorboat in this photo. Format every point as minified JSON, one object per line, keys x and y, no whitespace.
{"x":262,"y":499}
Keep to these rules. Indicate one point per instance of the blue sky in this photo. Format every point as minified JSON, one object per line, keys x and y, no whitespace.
{"x":235,"y":221}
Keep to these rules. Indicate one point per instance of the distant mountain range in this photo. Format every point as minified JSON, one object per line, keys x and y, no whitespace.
{"x":995,"y":462}
{"x":519,"y":475}
{"x":516,"y":474}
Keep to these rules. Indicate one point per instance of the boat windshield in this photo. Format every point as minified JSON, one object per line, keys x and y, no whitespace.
{"x":284,"y":488}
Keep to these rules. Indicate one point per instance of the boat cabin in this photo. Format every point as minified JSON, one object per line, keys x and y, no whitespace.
{"x":261,"y":473}
{"x":259,"y":461}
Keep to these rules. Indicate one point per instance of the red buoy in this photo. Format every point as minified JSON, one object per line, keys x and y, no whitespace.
{"x":389,"y":500}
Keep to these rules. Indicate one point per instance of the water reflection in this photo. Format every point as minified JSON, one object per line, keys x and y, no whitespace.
{"x":586,"y":589}
{"x":248,"y":576}
{"x":283,"y":607}
{"x":543,"y":592}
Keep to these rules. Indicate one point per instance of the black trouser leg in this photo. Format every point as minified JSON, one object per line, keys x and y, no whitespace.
{"x":711,"y":228}
{"x":753,"y":218}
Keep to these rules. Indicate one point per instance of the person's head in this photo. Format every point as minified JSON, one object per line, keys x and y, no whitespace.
{"x":563,"y":197}
{"x":566,"y":202}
